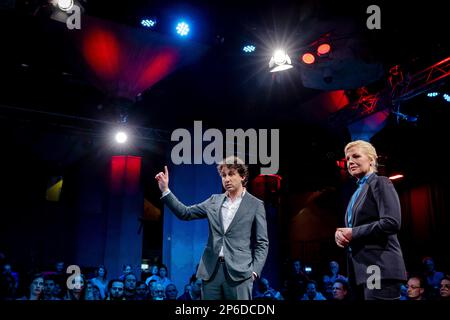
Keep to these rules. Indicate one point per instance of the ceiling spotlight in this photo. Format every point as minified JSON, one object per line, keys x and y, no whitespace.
{"x":446,"y":97}
{"x":308,"y":58}
{"x":249,"y":48}
{"x":148,"y":23}
{"x":280,"y":61}
{"x":121,"y":137}
{"x":280,"y":57}
{"x":65,"y":5}
{"x":432,"y":94}
{"x":323,"y":49}
{"x":182,"y":29}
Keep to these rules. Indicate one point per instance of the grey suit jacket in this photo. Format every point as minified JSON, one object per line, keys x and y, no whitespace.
{"x":376,"y":220}
{"x":245,"y":243}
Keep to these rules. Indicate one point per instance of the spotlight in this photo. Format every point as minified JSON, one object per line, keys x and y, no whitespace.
{"x":249,"y":48}
{"x":446,"y":97}
{"x":148,"y":23}
{"x":65,"y":5}
{"x":323,"y":49}
{"x":280,"y":57}
{"x":280,"y":61}
{"x":121,"y":137}
{"x":432,"y":94}
{"x":182,"y":28}
{"x":308,"y":58}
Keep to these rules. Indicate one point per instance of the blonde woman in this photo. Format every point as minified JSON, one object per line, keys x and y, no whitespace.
{"x":372,"y":222}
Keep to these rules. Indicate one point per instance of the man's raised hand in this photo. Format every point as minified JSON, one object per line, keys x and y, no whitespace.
{"x":163,"y":180}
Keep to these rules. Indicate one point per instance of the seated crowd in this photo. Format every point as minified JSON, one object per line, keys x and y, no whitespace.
{"x":156,"y":285}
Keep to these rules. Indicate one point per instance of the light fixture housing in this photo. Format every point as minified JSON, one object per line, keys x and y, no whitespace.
{"x":65,"y":5}
{"x":280,"y":61}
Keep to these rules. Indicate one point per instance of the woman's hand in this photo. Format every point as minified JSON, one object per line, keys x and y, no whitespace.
{"x":343,"y":236}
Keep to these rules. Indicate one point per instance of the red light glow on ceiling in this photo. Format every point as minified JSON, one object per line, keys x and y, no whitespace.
{"x":101,"y":50}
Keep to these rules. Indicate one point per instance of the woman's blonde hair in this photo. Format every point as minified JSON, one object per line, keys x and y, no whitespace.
{"x":367,"y":148}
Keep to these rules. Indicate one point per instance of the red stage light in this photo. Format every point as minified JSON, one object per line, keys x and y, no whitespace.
{"x":341,"y":164}
{"x":323,"y":49}
{"x":308,"y":58}
{"x":101,"y":48}
{"x":266,"y":184}
{"x":125,"y":174}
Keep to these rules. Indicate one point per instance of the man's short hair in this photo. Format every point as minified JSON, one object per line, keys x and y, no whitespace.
{"x":344,"y":283}
{"x":420,"y":278}
{"x":237,"y":164}
{"x":111,"y":282}
{"x":312,"y":282}
{"x":128,"y":275}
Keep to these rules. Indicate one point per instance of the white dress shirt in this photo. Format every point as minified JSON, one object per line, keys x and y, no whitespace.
{"x":229,"y":209}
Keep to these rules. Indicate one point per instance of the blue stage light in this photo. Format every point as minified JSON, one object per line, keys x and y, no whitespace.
{"x":446,"y":97}
{"x":148,"y":23}
{"x":182,"y":28}
{"x":249,"y":48}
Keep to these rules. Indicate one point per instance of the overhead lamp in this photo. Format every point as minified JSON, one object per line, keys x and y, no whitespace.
{"x":65,"y":5}
{"x":323,"y":49}
{"x":280,"y":61}
{"x":308,"y":58}
{"x":148,"y":23}
{"x":121,"y":137}
{"x":249,"y":48}
{"x":182,"y":29}
{"x":446,"y":97}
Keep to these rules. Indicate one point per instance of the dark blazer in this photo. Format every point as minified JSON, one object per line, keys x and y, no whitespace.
{"x":376,"y":220}
{"x":242,"y":255}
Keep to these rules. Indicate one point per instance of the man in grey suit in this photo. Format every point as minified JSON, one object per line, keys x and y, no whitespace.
{"x":237,"y":242}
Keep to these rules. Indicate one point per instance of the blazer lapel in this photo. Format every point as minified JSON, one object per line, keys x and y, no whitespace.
{"x":243,"y":207}
{"x":218,"y":209}
{"x":359,"y":200}
{"x":362,"y":196}
{"x":346,"y":214}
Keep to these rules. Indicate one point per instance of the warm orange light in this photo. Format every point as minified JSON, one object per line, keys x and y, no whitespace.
{"x":323,"y":49}
{"x":395,"y":177}
{"x":308,"y":58}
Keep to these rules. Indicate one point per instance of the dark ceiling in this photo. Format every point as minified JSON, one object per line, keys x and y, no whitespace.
{"x":411,"y":35}
{"x":225,"y":88}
